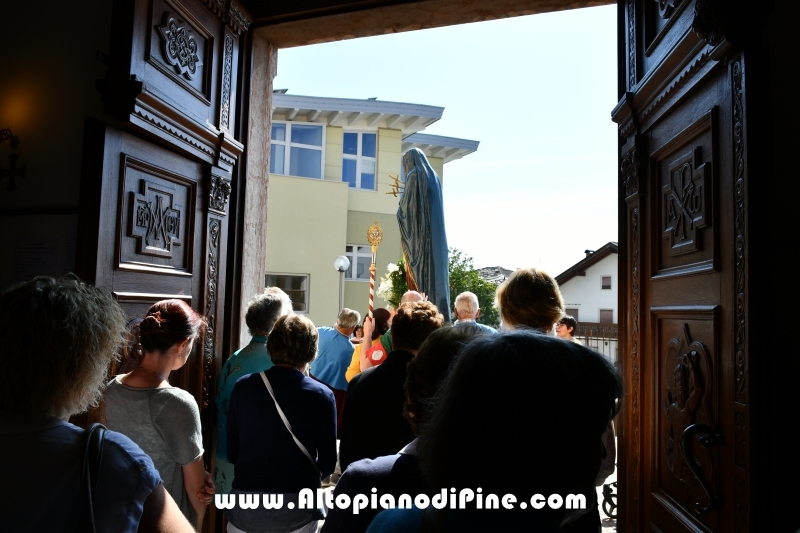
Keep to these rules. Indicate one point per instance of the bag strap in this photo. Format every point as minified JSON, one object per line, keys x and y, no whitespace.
{"x":93,"y":438}
{"x":286,"y":422}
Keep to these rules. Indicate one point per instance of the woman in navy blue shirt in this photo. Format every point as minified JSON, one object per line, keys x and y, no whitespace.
{"x":266,"y":457}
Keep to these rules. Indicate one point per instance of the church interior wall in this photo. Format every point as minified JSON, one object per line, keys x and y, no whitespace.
{"x":47,"y":90}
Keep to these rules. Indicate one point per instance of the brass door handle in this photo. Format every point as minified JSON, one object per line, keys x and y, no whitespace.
{"x":711,"y":439}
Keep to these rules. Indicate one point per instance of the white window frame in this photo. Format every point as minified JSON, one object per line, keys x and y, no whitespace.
{"x":611,"y":278}
{"x":288,"y":144}
{"x":306,"y":285}
{"x":359,"y":158}
{"x":353,"y":256}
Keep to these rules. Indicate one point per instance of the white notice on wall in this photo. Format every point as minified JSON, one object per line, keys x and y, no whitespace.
{"x":34,"y":257}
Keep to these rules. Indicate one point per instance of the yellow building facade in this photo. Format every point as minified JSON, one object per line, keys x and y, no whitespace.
{"x":337,"y":158}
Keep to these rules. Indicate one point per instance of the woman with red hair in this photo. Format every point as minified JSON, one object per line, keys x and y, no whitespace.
{"x":162,"y":419}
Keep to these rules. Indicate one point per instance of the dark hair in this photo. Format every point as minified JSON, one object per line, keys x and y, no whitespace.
{"x":167,"y":323}
{"x":500,"y":386}
{"x":530,"y":297}
{"x":569,"y":321}
{"x":293,"y":341}
{"x":381,"y":317}
{"x":413,"y":323}
{"x":429,"y":367}
{"x":57,"y":338}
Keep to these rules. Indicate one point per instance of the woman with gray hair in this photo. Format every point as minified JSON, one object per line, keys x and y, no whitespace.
{"x":57,"y":339}
{"x":262,"y":313}
{"x":281,"y":432}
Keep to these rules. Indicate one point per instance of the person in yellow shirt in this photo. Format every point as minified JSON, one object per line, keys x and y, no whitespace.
{"x":382,"y":320}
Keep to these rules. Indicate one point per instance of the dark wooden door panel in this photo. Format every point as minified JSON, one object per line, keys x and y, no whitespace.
{"x":149,"y":227}
{"x":175,"y":74}
{"x":683,"y":238}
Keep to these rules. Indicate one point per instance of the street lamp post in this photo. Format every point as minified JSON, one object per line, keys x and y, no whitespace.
{"x":341,"y":263}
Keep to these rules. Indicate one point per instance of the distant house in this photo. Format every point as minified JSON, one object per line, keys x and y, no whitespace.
{"x":335,"y":160}
{"x":589,"y":288}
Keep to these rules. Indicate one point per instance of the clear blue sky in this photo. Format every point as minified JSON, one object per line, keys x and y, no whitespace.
{"x":536,"y":91}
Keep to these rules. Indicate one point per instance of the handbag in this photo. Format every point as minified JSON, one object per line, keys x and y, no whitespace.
{"x":287,"y":424}
{"x":93,"y":438}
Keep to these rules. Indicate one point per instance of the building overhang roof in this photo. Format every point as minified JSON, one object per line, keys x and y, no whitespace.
{"x":354,"y":113}
{"x":580,"y":268}
{"x":448,"y":148}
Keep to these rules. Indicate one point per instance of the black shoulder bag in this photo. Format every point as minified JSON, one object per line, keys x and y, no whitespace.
{"x":90,"y":471}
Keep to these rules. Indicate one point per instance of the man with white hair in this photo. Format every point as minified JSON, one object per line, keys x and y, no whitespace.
{"x":467,"y":311}
{"x":262,"y":312}
{"x":334,"y":355}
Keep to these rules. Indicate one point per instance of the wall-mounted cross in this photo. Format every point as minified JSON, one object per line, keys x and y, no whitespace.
{"x":13,"y":171}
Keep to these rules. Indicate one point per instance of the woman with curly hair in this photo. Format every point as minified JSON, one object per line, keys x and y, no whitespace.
{"x":162,"y":419}
{"x":57,"y":340}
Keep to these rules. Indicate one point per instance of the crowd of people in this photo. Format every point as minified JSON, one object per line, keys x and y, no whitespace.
{"x":417,"y":405}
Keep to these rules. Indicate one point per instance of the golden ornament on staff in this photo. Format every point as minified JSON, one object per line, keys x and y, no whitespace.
{"x":374,"y":236}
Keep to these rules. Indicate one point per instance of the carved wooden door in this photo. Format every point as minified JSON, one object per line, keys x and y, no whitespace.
{"x":683,"y":237}
{"x":154,"y":198}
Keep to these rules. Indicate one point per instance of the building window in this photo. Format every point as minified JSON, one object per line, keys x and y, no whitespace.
{"x":360,"y":259}
{"x":295,"y":285}
{"x":605,"y":282}
{"x":606,"y":316}
{"x":573,"y":312}
{"x":358,"y":159}
{"x":296,"y":150}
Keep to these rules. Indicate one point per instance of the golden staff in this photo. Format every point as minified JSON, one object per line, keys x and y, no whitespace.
{"x":374,"y":236}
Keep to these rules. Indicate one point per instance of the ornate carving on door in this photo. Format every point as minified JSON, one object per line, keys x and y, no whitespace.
{"x":687,"y":373}
{"x":686,"y":207}
{"x":155,"y":222}
{"x":666,"y":7}
{"x":686,"y":474}
{"x":180,"y":47}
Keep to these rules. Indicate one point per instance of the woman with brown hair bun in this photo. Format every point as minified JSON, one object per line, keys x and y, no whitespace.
{"x":162,"y":419}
